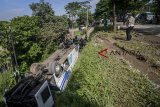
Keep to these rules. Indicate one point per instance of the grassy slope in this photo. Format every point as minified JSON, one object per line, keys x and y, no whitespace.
{"x":149,"y":51}
{"x":100,"y":82}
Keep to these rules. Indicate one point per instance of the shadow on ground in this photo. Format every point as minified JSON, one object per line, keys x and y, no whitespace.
{"x":72,"y":99}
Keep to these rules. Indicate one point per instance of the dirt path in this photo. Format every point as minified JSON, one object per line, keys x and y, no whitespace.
{"x":150,"y":39}
{"x":90,"y":31}
{"x":132,"y":61}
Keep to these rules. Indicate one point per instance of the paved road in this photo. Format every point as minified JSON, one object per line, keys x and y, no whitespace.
{"x":146,"y":29}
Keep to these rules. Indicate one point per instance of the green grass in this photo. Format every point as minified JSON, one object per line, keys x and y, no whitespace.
{"x":78,"y":33}
{"x":6,"y":82}
{"x":100,"y":82}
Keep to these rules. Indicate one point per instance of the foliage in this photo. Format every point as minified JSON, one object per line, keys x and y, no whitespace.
{"x":157,"y":8}
{"x":52,"y":33}
{"x":5,"y":56}
{"x":102,"y":9}
{"x":100,"y":82}
{"x":25,"y":32}
{"x":32,"y":38}
{"x":5,"y":60}
{"x":6,"y":81}
{"x":35,"y":38}
{"x":72,"y":8}
{"x":55,"y":29}
{"x":82,"y":17}
{"x":105,"y":7}
{"x":78,"y":11}
{"x":3,"y":30}
{"x":43,"y":10}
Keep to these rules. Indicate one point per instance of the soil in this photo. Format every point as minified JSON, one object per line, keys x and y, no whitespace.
{"x":132,"y":60}
{"x":150,"y":39}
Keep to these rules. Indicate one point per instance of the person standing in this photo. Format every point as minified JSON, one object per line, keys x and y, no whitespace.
{"x":130,"y":25}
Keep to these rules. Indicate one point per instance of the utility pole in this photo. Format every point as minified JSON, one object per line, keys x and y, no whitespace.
{"x":87,"y":18}
{"x":13,"y":55}
{"x":13,"y":48}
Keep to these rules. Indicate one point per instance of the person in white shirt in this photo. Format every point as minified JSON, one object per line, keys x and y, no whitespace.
{"x":130,"y":25}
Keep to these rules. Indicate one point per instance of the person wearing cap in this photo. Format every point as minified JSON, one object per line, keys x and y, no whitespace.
{"x":130,"y":25}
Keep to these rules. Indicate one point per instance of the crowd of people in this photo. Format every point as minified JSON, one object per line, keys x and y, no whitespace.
{"x":77,"y":40}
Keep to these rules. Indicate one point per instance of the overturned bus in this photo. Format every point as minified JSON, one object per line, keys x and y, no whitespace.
{"x":51,"y":75}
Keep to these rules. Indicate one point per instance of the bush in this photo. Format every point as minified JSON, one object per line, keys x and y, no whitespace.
{"x":6,"y":81}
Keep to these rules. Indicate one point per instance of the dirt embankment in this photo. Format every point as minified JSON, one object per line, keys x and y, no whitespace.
{"x":131,"y":59}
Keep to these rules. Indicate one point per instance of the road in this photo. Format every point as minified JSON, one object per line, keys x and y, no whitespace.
{"x":148,"y":29}
{"x":145,"y":29}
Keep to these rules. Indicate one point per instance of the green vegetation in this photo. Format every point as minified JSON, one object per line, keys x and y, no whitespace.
{"x":116,"y":10}
{"x":78,"y":33}
{"x":78,"y":13}
{"x":35,"y":38}
{"x":100,"y":82}
{"x":43,"y":10}
{"x":105,"y":7}
{"x":96,"y":81}
{"x":6,"y":81}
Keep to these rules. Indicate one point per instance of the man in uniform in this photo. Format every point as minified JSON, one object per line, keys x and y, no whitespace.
{"x":130,"y":25}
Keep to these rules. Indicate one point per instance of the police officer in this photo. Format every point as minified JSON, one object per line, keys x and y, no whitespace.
{"x":130,"y":25}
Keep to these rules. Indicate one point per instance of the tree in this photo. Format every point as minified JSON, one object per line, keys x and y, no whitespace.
{"x":85,"y":5}
{"x":79,"y":11}
{"x":114,"y":15}
{"x":156,"y":9}
{"x":113,"y":8}
{"x":34,"y":37}
{"x":72,"y":10}
{"x":157,"y":6}
{"x":3,"y":30}
{"x":5,"y":60}
{"x":52,"y":34}
{"x":82,"y":17}
{"x":25,"y":32}
{"x":43,"y":10}
{"x":52,"y":28}
{"x":102,"y":9}
{"x":5,"y":63}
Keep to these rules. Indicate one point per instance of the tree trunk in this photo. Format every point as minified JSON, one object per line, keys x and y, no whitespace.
{"x":114,"y":15}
